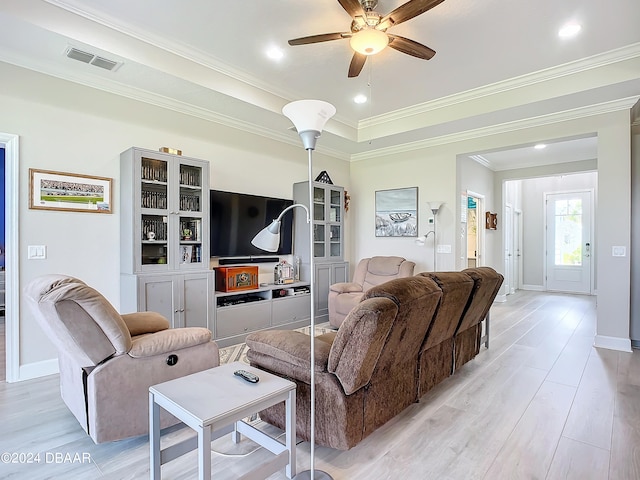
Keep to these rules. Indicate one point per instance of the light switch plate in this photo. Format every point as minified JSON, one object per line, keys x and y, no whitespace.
{"x":36,"y":252}
{"x":618,"y":251}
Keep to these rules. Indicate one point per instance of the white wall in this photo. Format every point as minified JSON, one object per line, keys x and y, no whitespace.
{"x":70,"y":128}
{"x":435,"y":177}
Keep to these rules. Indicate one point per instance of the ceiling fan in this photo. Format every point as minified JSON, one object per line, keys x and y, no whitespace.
{"x":368,"y":34}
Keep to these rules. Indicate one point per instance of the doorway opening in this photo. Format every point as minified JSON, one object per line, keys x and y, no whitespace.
{"x":473,"y":230}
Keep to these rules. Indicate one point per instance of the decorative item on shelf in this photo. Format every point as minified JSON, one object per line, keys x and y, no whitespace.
{"x":186,"y":253}
{"x":491,"y":221}
{"x":283,"y":273}
{"x":187,"y":234}
{"x":172,"y":151}
{"x":234,"y":279}
{"x":297,"y":272}
{"x":151,"y":236}
{"x":347,"y":199}
{"x":324,"y":177}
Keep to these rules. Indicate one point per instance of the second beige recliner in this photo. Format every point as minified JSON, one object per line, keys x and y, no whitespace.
{"x":369,"y":273}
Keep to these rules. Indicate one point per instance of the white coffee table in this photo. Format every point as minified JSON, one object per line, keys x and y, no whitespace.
{"x":214,"y":402}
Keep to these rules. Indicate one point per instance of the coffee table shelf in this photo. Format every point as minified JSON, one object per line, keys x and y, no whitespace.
{"x":214,"y":402}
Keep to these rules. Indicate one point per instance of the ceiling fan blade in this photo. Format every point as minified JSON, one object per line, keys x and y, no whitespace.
{"x":325,"y":37}
{"x":406,"y":11}
{"x":357,"y":62}
{"x":352,"y":7}
{"x":410,"y":47}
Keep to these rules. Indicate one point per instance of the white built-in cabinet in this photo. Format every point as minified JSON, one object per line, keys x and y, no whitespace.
{"x":327,"y":212}
{"x":164,"y":236}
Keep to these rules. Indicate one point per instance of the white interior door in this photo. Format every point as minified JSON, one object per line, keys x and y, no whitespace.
{"x":569,"y":246}
{"x":517,"y":249}
{"x":508,"y":249}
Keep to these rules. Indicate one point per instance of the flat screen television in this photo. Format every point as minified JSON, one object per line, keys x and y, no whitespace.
{"x":237,"y":217}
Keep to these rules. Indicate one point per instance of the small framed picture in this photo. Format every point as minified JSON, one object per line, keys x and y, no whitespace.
{"x":186,"y":252}
{"x":69,"y":191}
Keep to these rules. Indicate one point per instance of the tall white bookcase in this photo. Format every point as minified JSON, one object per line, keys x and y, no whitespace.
{"x":164,"y":237}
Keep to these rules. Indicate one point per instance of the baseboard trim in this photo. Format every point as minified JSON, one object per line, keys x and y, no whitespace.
{"x":533,"y":288}
{"x":612,"y":343}
{"x":38,"y":369}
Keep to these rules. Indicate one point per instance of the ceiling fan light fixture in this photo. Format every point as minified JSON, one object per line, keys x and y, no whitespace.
{"x":369,"y":41}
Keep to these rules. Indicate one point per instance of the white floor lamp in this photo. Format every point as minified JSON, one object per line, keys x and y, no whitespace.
{"x":434,"y":206}
{"x":309,"y":118}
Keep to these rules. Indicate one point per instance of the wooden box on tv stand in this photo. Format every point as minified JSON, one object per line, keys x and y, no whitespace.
{"x":236,"y":279}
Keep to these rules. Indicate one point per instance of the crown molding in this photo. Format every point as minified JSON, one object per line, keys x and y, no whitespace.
{"x":189,"y":53}
{"x":161,"y":101}
{"x":481,"y":160}
{"x":567,"y":69}
{"x":558,"y":117}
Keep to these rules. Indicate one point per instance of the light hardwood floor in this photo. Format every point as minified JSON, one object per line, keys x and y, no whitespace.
{"x":541,"y":403}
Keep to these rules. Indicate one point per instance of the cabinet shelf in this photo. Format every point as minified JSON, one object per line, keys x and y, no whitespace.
{"x":240,"y":313}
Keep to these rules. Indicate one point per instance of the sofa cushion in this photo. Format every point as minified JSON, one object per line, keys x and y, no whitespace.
{"x":139,"y":323}
{"x":359,"y":341}
{"x":168,"y":341}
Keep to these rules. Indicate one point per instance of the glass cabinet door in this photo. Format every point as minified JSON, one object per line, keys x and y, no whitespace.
{"x":189,"y":226}
{"x":154,"y":174}
{"x":335,"y":227}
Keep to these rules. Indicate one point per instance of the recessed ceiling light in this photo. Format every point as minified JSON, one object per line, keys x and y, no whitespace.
{"x":569,"y":30}
{"x":275,"y":53}
{"x":360,"y":98}
{"x":540,"y":146}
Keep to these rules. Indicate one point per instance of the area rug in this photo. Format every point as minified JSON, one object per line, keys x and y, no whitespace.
{"x":238,"y":353}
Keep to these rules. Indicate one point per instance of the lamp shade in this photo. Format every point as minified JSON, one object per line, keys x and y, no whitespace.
{"x":309,"y":114}
{"x":268,"y":239}
{"x":369,"y":41}
{"x":435,"y":206}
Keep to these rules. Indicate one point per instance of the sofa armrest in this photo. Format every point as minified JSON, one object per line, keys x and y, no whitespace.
{"x":346,"y":287}
{"x":286,"y":352}
{"x":168,"y":341}
{"x":145,"y":322}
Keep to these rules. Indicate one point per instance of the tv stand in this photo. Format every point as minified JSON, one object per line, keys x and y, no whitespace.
{"x":237,"y":314}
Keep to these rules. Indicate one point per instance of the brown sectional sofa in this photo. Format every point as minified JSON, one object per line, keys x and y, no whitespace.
{"x":396,"y":344}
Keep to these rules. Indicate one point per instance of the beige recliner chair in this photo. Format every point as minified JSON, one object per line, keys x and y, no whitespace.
{"x":370,"y":272}
{"x":108,"y":361}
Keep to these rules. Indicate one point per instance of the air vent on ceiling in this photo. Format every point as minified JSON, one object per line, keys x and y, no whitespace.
{"x":91,"y":59}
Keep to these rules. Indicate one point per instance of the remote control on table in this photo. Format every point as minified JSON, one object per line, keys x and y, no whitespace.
{"x":248,"y":376}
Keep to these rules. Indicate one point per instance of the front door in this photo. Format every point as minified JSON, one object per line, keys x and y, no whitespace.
{"x":569,"y":246}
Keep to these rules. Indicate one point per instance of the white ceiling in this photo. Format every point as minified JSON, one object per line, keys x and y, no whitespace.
{"x":497,"y":62}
